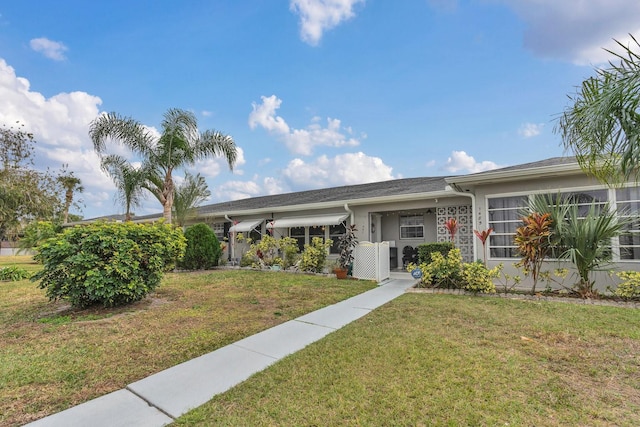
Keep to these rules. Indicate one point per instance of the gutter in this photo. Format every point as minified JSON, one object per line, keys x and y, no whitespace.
{"x":351,"y":214}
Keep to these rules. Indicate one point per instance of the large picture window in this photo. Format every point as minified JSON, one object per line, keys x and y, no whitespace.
{"x":412,"y":227}
{"x":504,"y":216}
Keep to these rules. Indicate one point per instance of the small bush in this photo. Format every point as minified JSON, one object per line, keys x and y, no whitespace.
{"x":108,"y":263}
{"x":477,"y":278}
{"x":629,"y":288}
{"x":270,"y":251}
{"x":13,"y":273}
{"x":426,"y":249}
{"x":314,"y":256}
{"x":452,"y":273}
{"x":203,"y":248}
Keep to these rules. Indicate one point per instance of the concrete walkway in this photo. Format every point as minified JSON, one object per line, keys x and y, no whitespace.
{"x":161,"y":398}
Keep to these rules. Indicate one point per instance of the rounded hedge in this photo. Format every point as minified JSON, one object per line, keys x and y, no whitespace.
{"x":203,"y":248}
{"x":108,"y":263}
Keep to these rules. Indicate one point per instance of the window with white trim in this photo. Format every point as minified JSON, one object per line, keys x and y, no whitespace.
{"x":505,"y":216}
{"x":412,"y":227}
{"x":218,"y":230}
{"x":628,"y":206}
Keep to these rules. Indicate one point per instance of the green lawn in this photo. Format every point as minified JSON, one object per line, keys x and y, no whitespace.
{"x":53,"y":357}
{"x":452,"y":360}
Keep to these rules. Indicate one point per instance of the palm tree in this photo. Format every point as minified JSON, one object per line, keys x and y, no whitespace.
{"x":129,"y":181}
{"x":189,"y":195}
{"x":70,"y":184}
{"x":602,"y":126}
{"x":180,"y":144}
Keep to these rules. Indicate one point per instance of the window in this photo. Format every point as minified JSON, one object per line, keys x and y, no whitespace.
{"x":505,"y":216}
{"x":412,"y":227}
{"x":335,"y":232}
{"x":298,"y":233}
{"x":218,"y":230}
{"x":628,"y":206}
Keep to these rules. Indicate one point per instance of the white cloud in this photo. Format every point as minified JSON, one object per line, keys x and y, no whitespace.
{"x":577,"y":30}
{"x":206,"y":113}
{"x":343,"y":169}
{"x":317,"y":16}
{"x":212,"y":167}
{"x":430,"y":163}
{"x":299,"y":141}
{"x":529,"y":130}
{"x":461,"y":161}
{"x":60,"y":125}
{"x":49,"y":48}
{"x":236,"y":190}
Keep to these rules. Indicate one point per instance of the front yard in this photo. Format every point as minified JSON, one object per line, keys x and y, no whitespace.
{"x":52,"y":357}
{"x":452,"y":360}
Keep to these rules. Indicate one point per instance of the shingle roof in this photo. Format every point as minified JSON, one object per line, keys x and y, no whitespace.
{"x":335,"y":194}
{"x":553,"y":161}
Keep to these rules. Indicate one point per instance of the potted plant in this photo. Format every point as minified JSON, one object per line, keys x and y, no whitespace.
{"x":346,"y":245}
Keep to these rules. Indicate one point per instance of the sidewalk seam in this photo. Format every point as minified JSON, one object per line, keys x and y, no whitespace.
{"x":148,"y":402}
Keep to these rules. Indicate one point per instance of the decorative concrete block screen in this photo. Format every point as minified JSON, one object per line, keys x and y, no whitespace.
{"x":371,"y":261}
{"x":464,"y":236}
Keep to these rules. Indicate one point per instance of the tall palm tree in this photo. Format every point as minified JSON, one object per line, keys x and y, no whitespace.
{"x":128,"y":179}
{"x":189,"y":195}
{"x":180,"y":144}
{"x":602,"y":126}
{"x":71,"y":184}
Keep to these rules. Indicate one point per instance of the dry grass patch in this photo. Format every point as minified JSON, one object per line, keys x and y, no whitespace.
{"x":53,"y":357}
{"x":452,"y":360}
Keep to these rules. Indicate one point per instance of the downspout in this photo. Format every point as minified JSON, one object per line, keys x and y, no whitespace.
{"x":455,"y":188}
{"x":351,"y":214}
{"x":233,"y":238}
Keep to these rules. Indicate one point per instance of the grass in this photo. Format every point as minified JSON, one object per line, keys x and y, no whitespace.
{"x":53,"y":357}
{"x":452,"y":360}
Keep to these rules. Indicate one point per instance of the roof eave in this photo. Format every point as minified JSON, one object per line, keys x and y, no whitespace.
{"x":336,"y":203}
{"x":515,"y":175}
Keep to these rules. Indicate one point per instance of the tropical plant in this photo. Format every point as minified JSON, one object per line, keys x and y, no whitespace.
{"x":629,"y":288}
{"x":108,"y":263}
{"x":180,"y":144}
{"x":13,"y":273}
{"x":314,"y":255}
{"x":451,"y":273}
{"x":129,"y":181}
{"x":586,"y":240}
{"x":203,"y":248}
{"x":70,"y":184}
{"x":346,"y":244}
{"x":602,"y":126}
{"x":483,"y":236}
{"x":270,"y":251}
{"x":533,"y":240}
{"x":452,"y":226}
{"x":189,"y":194}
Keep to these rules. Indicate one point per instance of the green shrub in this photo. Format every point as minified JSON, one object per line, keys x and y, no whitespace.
{"x":478,"y":278}
{"x":270,"y":251}
{"x":426,"y":249}
{"x":314,"y":256}
{"x":203,"y":248}
{"x":13,"y":273}
{"x":629,"y":288}
{"x":108,"y":263}
{"x":451,"y":273}
{"x":36,"y":233}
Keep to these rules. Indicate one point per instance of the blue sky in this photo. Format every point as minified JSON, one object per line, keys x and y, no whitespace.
{"x":316,"y":93}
